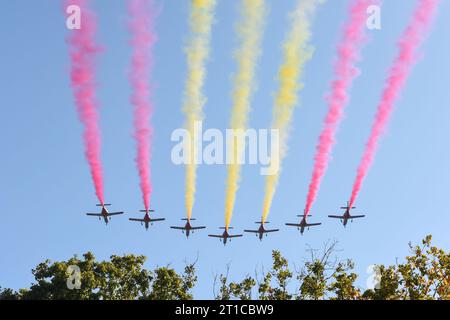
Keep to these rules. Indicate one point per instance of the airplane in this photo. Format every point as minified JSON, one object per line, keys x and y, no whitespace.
{"x":303,"y":224}
{"x":104,"y":214}
{"x":147,"y":220}
{"x":225,"y":235}
{"x":261,"y":230}
{"x":347,"y":216}
{"x":187,"y":227}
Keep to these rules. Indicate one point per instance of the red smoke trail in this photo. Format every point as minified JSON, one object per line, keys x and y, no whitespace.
{"x":83,"y":51}
{"x":348,"y":53}
{"x":143,"y":37}
{"x":410,"y":41}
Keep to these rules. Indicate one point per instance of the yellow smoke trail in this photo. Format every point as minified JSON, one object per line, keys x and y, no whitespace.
{"x":197,"y":52}
{"x":250,"y":30}
{"x":296,"y":53}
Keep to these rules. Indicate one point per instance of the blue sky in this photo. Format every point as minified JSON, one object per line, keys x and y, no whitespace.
{"x":45,"y":186}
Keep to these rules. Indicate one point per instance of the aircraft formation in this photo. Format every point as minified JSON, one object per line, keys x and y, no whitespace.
{"x":297,"y":51}
{"x":224,"y":237}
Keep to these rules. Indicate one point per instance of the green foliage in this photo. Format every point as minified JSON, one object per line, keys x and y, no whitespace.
{"x":343,"y":284}
{"x":325,"y":277}
{"x":388,"y":286}
{"x":8,"y":294}
{"x":425,"y":274}
{"x":318,"y":277}
{"x":167,"y":284}
{"x":280,"y":275}
{"x":121,"y":278}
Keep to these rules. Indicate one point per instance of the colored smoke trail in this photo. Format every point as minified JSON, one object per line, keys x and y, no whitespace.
{"x":409,"y":43}
{"x":83,"y":50}
{"x":197,"y":52}
{"x":143,"y":37}
{"x":297,"y":52}
{"x":348,"y":53}
{"x":250,"y":32}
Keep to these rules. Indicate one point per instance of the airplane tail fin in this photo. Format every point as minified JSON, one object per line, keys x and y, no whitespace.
{"x":223,"y":228}
{"x":186,"y":219}
{"x":301,"y":215}
{"x":259,"y":222}
{"x":103,"y":205}
{"x":146,"y":210}
{"x":348,"y":206}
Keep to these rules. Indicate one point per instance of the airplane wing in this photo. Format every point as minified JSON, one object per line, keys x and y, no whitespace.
{"x":293,"y":224}
{"x":178,"y":228}
{"x":197,"y":228}
{"x":313,"y":224}
{"x":273,"y":230}
{"x":336,"y":217}
{"x":253,"y":231}
{"x":215,"y":236}
{"x":94,"y":214}
{"x":159,"y":219}
{"x":114,"y":213}
{"x":355,"y":217}
{"x":134,"y":219}
{"x":235,"y":236}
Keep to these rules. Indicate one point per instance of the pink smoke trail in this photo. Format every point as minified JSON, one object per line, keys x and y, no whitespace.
{"x":409,"y":43}
{"x":143,"y":38}
{"x":348,"y":53}
{"x":83,"y":51}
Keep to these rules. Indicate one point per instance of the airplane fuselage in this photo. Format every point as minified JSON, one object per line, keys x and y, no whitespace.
{"x":187,"y":227}
{"x":105,"y":215}
{"x":225,"y":236}
{"x":146,"y":221}
{"x":346,"y":217}
{"x":261,"y":231}
{"x":303,"y":225}
{"x":302,"y":229}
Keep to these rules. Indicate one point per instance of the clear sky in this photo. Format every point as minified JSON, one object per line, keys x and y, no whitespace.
{"x":45,"y":186}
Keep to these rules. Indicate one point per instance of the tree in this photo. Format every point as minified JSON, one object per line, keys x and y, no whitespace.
{"x":241,"y":290}
{"x":325,"y":276}
{"x":320,"y":276}
{"x":424,"y":275}
{"x":8,"y":294}
{"x":281,"y":275}
{"x":388,"y":286}
{"x":168,"y":285}
{"x":123,"y":277}
{"x":343,"y":285}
